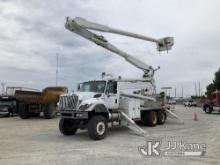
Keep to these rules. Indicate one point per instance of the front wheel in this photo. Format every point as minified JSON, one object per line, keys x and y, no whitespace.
{"x":97,"y":127}
{"x":68,"y":126}
{"x":49,"y":111}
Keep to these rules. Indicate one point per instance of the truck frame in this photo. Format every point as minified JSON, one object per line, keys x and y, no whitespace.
{"x":103,"y":102}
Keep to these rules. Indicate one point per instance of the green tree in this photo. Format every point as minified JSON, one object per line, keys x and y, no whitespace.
{"x":210,"y":89}
{"x":216,"y":80}
{"x":215,"y":85}
{"x":162,"y":94}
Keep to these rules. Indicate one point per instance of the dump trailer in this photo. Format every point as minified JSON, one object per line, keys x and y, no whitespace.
{"x":212,"y":103}
{"x":32,"y":103}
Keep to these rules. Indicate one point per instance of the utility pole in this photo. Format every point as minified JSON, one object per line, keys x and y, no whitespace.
{"x":57,"y":55}
{"x":182,"y":92}
{"x":199,"y":90}
{"x":3,"y":87}
{"x":195,"y":89}
{"x":175,"y":92}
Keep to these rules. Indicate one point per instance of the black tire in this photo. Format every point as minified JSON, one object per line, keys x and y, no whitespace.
{"x":150,"y":118}
{"x":97,"y":127}
{"x":208,"y":109}
{"x":49,"y":111}
{"x":161,"y":117}
{"x":24,"y":111}
{"x":68,"y":126}
{"x":35,"y":114}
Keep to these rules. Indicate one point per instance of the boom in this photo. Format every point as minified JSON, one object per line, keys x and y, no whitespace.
{"x":80,"y":26}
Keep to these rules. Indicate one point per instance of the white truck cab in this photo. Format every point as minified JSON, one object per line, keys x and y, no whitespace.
{"x":112,"y":100}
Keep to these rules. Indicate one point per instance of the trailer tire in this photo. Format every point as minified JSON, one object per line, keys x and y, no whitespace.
{"x":161,"y":117}
{"x":35,"y":114}
{"x":97,"y":127}
{"x":49,"y":111}
{"x":68,"y":126}
{"x":150,"y":118}
{"x":23,"y":111}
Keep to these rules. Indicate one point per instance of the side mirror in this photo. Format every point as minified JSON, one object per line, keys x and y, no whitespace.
{"x":78,"y":87}
{"x":107,"y":92}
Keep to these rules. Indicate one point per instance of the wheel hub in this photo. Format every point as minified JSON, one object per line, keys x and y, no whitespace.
{"x":162,"y":117}
{"x":100,"y":128}
{"x":154,"y":119}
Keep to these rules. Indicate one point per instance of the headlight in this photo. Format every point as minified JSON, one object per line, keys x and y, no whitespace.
{"x":84,"y":106}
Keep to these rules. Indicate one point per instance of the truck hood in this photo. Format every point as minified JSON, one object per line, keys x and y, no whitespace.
{"x":85,"y":95}
{"x":87,"y":98}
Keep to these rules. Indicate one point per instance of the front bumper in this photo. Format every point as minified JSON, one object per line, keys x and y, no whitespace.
{"x":74,"y":114}
{"x":4,"y":112}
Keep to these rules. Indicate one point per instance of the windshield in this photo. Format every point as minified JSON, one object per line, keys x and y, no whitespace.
{"x":93,"y":86}
{"x":6,"y":103}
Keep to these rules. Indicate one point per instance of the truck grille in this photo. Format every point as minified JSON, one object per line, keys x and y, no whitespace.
{"x":68,"y":102}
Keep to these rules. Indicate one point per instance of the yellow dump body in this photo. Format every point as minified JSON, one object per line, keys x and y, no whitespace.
{"x":48,"y":95}
{"x":52,"y":94}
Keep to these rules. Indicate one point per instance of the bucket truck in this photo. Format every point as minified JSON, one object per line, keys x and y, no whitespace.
{"x":109,"y":101}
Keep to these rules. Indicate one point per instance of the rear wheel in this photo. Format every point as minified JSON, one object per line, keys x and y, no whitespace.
{"x":97,"y":127}
{"x":49,"y":111}
{"x":161,"y":117}
{"x":150,"y":118}
{"x":35,"y":114}
{"x":24,"y":111}
{"x":68,"y":126}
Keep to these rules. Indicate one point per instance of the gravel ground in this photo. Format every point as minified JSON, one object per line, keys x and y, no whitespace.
{"x":38,"y":141}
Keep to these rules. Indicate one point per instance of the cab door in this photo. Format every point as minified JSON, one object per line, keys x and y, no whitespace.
{"x":111,"y":95}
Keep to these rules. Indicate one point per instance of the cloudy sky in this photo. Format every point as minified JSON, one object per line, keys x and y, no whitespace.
{"x":32,"y":33}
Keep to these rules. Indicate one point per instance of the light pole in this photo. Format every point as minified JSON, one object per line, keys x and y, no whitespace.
{"x":57,"y":57}
{"x":3,"y":87}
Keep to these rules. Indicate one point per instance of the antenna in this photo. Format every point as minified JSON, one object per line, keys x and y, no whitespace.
{"x":3,"y":87}
{"x":57,"y":57}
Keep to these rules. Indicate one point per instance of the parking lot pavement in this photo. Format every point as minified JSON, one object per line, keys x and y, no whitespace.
{"x":38,"y":141}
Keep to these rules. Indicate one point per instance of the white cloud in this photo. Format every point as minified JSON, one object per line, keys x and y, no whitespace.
{"x":32,"y":32}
